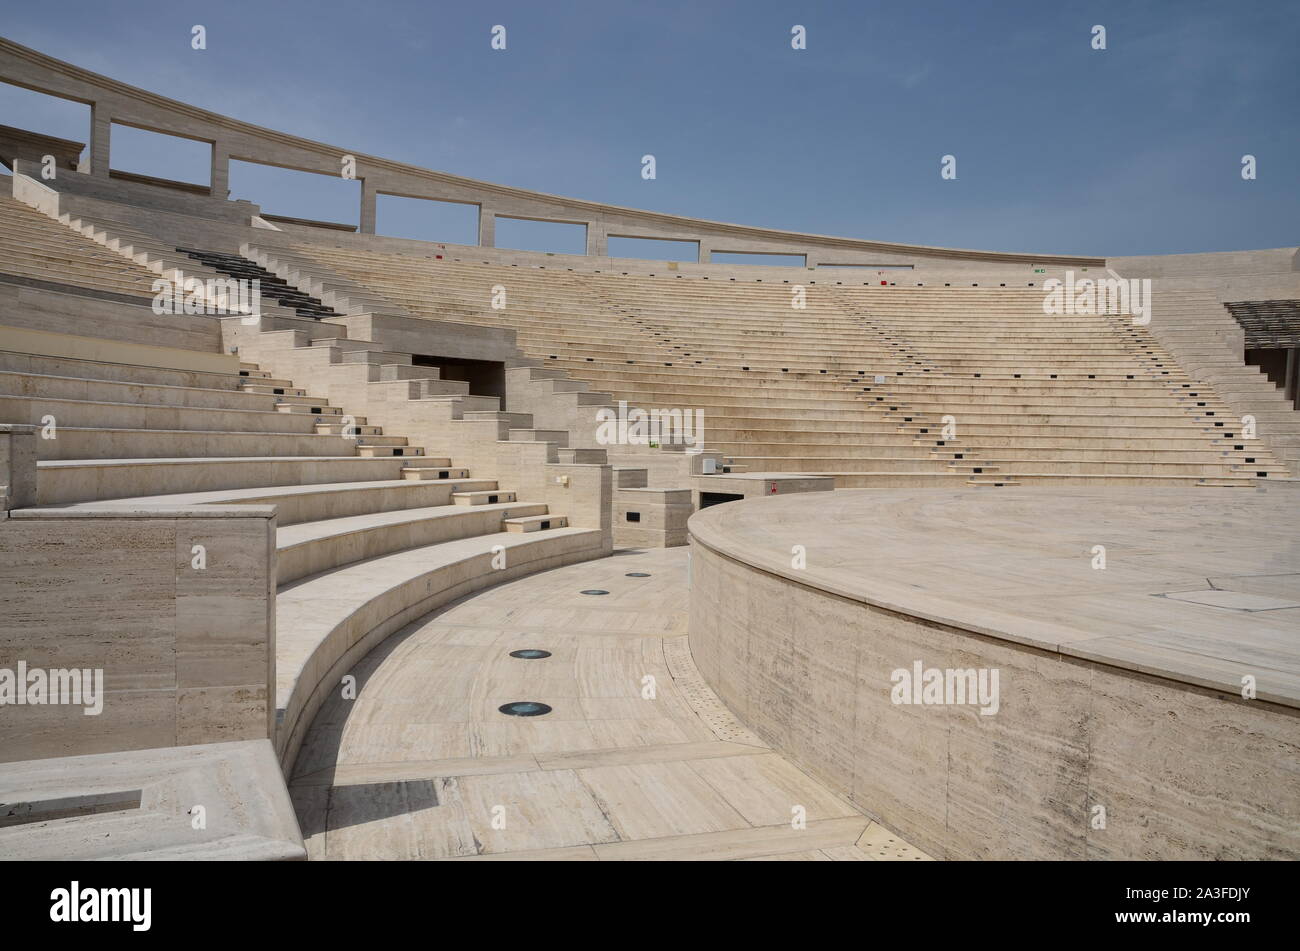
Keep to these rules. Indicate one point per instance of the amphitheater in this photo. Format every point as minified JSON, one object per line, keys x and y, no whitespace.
{"x":943,"y":575}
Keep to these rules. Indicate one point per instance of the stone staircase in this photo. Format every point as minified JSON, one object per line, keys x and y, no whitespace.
{"x":566,"y":408}
{"x":371,"y":533}
{"x":1198,"y":331}
{"x":272,"y":286}
{"x":310,"y":276}
{"x":1053,"y":399}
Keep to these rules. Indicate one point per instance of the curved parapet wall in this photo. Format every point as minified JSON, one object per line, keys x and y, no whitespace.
{"x":1105,"y":716}
{"x":115,"y":102}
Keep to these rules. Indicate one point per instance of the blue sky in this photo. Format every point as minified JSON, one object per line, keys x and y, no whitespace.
{"x":1060,"y":148}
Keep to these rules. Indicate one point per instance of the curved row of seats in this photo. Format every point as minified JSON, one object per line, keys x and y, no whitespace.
{"x":366,"y":540}
{"x":856,"y":381}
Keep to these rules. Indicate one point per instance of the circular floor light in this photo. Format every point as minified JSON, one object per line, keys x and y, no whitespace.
{"x":530,"y":653}
{"x":595,"y":591}
{"x":637,"y":574}
{"x":524,"y":708}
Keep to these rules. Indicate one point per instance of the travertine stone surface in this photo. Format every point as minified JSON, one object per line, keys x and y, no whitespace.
{"x":805,"y":657}
{"x":247,"y":813}
{"x":187,"y":654}
{"x":421,"y":762}
{"x":17,"y":466}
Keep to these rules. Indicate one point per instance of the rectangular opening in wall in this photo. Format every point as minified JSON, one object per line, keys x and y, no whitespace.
{"x":155,"y":158}
{"x":768,"y":260}
{"x":717,"y":498}
{"x":309,"y":198}
{"x":485,"y":377}
{"x":36,"y":125}
{"x":654,"y":249}
{"x":426,"y":219}
{"x":554,"y":237}
{"x":1271,"y":362}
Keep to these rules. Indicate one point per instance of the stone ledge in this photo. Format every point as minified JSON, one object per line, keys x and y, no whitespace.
{"x":247,"y":811}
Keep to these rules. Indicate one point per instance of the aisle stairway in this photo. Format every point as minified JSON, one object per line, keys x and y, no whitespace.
{"x":1042,"y":398}
{"x":1201,"y":334}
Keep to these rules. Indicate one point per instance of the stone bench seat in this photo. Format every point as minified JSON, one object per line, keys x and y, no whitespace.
{"x":325,"y":623}
{"x":112,"y":443}
{"x":81,"y":480}
{"x":102,"y":414}
{"x":312,"y":547}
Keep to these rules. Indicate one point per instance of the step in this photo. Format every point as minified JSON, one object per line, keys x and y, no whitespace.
{"x":100,"y":414}
{"x":375,"y":452}
{"x":21,"y":383}
{"x":84,"y":480}
{"x":630,"y":477}
{"x":313,"y":409}
{"x":74,"y":442}
{"x":483,"y":497}
{"x":327,"y":622}
{"x":308,"y":548}
{"x":272,"y":390}
{"x":435,"y":472}
{"x":295,"y":504}
{"x":352,"y":429}
{"x":559,"y":437}
{"x":534,"y":523}
{"x":594,"y":457}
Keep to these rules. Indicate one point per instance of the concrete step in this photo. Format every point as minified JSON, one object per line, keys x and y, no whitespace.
{"x":112,"y":443}
{"x":372,"y":452}
{"x":435,"y":472}
{"x":83,"y":480}
{"x":483,"y":497}
{"x":327,"y":622}
{"x":534,"y":523}
{"x":99,"y":414}
{"x":312,"y":547}
{"x":295,"y":504}
{"x":592,"y":457}
{"x":272,"y":389}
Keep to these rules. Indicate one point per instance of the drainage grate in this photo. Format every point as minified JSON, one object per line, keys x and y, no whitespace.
{"x":530,"y":653}
{"x":524,"y":708}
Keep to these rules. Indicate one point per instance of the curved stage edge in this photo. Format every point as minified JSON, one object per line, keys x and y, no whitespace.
{"x":1109,"y":740}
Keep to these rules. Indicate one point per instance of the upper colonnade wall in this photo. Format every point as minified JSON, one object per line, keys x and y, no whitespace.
{"x":112,"y":102}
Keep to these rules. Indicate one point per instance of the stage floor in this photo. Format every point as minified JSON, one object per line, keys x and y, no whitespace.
{"x":1200,"y":586}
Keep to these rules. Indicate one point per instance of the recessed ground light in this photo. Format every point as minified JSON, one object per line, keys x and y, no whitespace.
{"x":594,"y":591}
{"x":646,"y":574}
{"x":524,"y":708}
{"x":530,"y":653}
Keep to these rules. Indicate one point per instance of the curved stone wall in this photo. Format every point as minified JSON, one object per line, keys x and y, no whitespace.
{"x":116,"y":102}
{"x":1181,"y":771}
